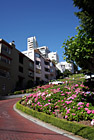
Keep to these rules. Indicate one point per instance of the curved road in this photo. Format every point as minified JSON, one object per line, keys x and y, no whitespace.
{"x":15,"y":127}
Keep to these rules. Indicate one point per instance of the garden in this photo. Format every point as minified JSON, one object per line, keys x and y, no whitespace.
{"x":71,"y":100}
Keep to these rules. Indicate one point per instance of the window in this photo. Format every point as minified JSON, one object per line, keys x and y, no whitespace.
{"x":51,"y":70}
{"x":46,"y":63}
{"x":20,"y":69}
{"x":46,"y":76}
{"x":31,"y":73}
{"x":38,"y":71}
{"x":31,"y":65}
{"x":47,"y":70}
{"x":51,"y":64}
{"x":37,"y":55}
{"x":20,"y":58}
{"x":6,"y":49}
{"x":4,"y":74}
{"x":37,"y":63}
{"x":4,"y":59}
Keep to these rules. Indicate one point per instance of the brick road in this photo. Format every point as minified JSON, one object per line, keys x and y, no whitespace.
{"x":15,"y":127}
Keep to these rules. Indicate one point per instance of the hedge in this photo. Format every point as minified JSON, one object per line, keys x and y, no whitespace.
{"x":78,"y":129}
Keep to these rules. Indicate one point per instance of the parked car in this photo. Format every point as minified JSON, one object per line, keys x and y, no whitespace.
{"x":89,"y":76}
{"x":56,"y":83}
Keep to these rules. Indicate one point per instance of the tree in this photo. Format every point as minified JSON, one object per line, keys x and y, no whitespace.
{"x":80,"y":48}
{"x":86,"y":15}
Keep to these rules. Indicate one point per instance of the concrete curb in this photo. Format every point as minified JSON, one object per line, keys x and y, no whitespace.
{"x":48,"y":126}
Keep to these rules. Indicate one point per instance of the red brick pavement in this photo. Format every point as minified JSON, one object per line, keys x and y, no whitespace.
{"x":15,"y":127}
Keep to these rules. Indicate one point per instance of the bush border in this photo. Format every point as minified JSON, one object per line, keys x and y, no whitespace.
{"x":78,"y":129}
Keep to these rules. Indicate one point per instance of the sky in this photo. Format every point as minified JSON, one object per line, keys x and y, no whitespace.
{"x":51,"y":21}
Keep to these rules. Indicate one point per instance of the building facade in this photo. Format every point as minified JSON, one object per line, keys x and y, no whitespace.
{"x":53,"y":56}
{"x":16,"y":70}
{"x":44,"y":51}
{"x":32,"y":43}
{"x":44,"y":69}
{"x":62,"y":66}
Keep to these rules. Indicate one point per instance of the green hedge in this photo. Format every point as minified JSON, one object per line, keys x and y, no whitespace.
{"x":78,"y":129}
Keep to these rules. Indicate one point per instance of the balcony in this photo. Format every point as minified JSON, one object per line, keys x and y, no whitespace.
{"x":38,"y":59}
{"x":38,"y":66}
{"x":4,"y":65}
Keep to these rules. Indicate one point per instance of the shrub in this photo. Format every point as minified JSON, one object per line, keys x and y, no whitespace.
{"x":77,"y":129}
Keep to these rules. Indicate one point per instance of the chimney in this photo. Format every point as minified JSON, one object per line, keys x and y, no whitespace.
{"x":12,"y":43}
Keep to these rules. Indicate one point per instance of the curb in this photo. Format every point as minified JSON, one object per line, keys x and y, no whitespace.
{"x":48,"y":126}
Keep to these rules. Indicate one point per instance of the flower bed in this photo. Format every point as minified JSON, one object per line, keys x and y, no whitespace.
{"x":67,"y":101}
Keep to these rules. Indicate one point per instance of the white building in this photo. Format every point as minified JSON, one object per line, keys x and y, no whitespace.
{"x":32,"y":43}
{"x":44,"y":69}
{"x":62,"y":66}
{"x":44,"y":50}
{"x":53,"y":56}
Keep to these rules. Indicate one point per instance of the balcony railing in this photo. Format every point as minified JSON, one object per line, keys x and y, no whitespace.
{"x":38,"y":66}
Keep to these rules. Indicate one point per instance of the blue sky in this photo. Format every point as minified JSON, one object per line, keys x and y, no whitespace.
{"x":51,"y":21}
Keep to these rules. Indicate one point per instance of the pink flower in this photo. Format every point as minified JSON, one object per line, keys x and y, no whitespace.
{"x":66,"y":117}
{"x":86,"y":109}
{"x":68,"y":111}
{"x":81,"y":106}
{"x":68,"y":102}
{"x":53,"y":112}
{"x":38,"y":103}
{"x":82,"y":85}
{"x":87,"y":104}
{"x":80,"y":103}
{"x":78,"y":108}
{"x":68,"y":93}
{"x":73,"y":114}
{"x":89,"y":111}
{"x":76,"y":85}
{"x":56,"y":106}
{"x":92,"y":111}
{"x":62,"y":94}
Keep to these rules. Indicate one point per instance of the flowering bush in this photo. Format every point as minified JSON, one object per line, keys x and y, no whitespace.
{"x":69,"y":100}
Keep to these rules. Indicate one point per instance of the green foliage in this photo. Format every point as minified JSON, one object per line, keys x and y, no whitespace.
{"x":86,"y":15}
{"x":66,"y":73}
{"x":29,"y":90}
{"x":80,"y":48}
{"x":17,"y":92}
{"x":77,"y":129}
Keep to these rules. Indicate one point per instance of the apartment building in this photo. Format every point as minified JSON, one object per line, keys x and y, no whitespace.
{"x":32,"y":43}
{"x":16,"y":70}
{"x":53,"y":56}
{"x":44,"y":69}
{"x":62,"y":66}
{"x":44,"y":51}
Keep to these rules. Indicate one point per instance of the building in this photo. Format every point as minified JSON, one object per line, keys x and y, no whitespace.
{"x":53,"y":56}
{"x":16,"y":70}
{"x":62,"y":66}
{"x":32,"y":43}
{"x":44,"y":51}
{"x":44,"y":69}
